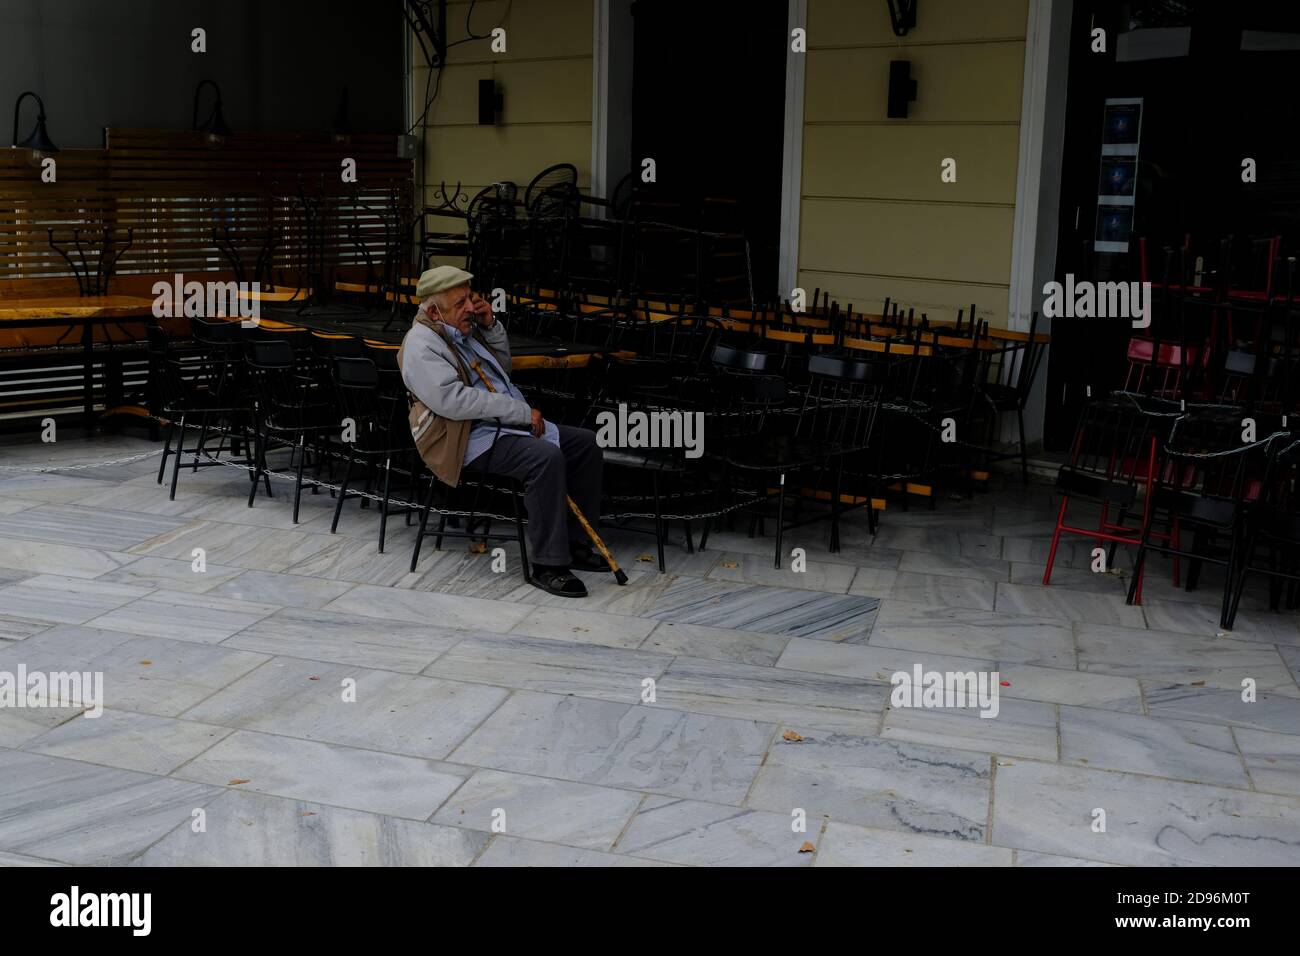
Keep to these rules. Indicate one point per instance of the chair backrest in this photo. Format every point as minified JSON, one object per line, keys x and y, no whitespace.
{"x":841,"y":401}
{"x":560,"y":173}
{"x":732,"y":357}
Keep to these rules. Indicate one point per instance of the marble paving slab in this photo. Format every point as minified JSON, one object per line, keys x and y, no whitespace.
{"x":57,"y":599}
{"x":692,"y":833}
{"x":170,"y":574}
{"x":151,"y":675}
{"x":39,"y":557}
{"x":203,"y":618}
{"x":446,"y":610}
{"x":845,"y":844}
{"x":758,"y":569}
{"x":1149,"y":822}
{"x":632,"y":746}
{"x":397,"y":713}
{"x":1164,"y":656}
{"x":1178,"y":749}
{"x":75,"y":812}
{"x":80,"y":526}
{"x":241,"y":546}
{"x":1029,"y":600}
{"x":539,"y":808}
{"x":793,"y":699}
{"x":348,"y":639}
{"x":1022,"y":728}
{"x":879,"y":783}
{"x":585,"y":627}
{"x":326,"y":773}
{"x":554,"y":667}
{"x":287,"y":590}
{"x":1272,"y":759}
{"x":827,"y":617}
{"x":513,"y":851}
{"x":1276,"y":712}
{"x":252,"y":829}
{"x":964,"y":632}
{"x":717,"y":643}
{"x":118,"y":738}
{"x":1022,"y":681}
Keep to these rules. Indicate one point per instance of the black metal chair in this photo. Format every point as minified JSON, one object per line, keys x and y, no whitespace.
{"x":1206,"y":480}
{"x":374,"y":442}
{"x":289,"y":409}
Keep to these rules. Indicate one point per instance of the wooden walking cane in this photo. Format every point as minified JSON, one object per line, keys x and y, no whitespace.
{"x":619,"y":574}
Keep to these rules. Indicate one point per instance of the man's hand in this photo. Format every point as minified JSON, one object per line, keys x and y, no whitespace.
{"x":483,"y":312}
{"x":539,"y":424}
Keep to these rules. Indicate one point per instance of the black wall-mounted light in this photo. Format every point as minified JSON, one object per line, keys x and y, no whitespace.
{"x":214,"y":130}
{"x":902,"y":88}
{"x":39,"y":141}
{"x":490,"y":102}
{"x":902,"y":16}
{"x":341,"y":128}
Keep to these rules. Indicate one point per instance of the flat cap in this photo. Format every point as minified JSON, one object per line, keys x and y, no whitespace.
{"x":439,"y":279}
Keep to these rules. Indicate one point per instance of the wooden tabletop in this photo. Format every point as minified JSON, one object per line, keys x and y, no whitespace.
{"x":75,"y":307}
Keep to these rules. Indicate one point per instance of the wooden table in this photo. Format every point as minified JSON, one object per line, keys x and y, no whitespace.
{"x":71,"y":311}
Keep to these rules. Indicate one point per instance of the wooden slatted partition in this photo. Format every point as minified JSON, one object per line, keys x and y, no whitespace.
{"x":171,"y":189}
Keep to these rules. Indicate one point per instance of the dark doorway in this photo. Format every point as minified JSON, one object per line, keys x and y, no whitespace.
{"x":1202,"y":113}
{"x":708,"y":107}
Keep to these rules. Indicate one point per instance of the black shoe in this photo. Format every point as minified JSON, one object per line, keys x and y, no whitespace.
{"x":558,"y":581}
{"x":585,"y":559}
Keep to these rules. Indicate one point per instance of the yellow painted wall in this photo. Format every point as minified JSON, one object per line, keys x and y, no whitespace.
{"x":545,"y":76}
{"x":875,"y":219}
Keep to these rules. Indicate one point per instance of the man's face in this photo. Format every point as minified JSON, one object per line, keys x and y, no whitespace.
{"x":457,"y":308}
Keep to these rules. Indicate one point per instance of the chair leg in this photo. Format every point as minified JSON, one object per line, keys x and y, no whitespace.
{"x":780,"y":518}
{"x":522,"y":539}
{"x":383,"y":505}
{"x":203,"y":437}
{"x":1056,"y":541}
{"x":659,"y":521}
{"x":690,"y":541}
{"x":255,"y":452}
{"x":162,"y":466}
{"x":176,"y":462}
{"x":424,"y":520}
{"x":342,"y":495}
{"x":297,"y":485}
{"x":1024,"y":455}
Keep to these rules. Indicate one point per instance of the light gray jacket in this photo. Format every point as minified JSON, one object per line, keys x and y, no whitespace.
{"x":434,"y":373}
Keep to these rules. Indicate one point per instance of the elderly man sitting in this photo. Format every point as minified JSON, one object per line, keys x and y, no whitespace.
{"x":454,"y":348}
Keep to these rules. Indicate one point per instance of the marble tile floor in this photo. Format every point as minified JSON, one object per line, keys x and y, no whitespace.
{"x":316,"y":702}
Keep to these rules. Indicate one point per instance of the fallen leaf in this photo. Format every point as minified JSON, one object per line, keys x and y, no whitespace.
{"x":236,"y":782}
{"x":313,"y":678}
{"x":807,"y":848}
{"x":1198,"y":683}
{"x":730,"y":564}
{"x":309,"y":813}
{"x":644,"y":557}
{"x":791,"y":735}
{"x":478,"y":547}
{"x":145,"y":663}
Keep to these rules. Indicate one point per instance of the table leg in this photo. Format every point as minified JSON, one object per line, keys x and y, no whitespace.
{"x":88,"y":375}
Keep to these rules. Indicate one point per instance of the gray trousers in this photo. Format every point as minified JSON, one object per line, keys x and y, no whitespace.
{"x":549,"y":475}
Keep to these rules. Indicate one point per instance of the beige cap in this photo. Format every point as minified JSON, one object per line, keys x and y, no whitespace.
{"x":439,"y":279}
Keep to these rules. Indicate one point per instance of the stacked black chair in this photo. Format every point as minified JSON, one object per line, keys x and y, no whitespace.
{"x":197,"y":387}
{"x":289,"y":410}
{"x":1207,"y":481}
